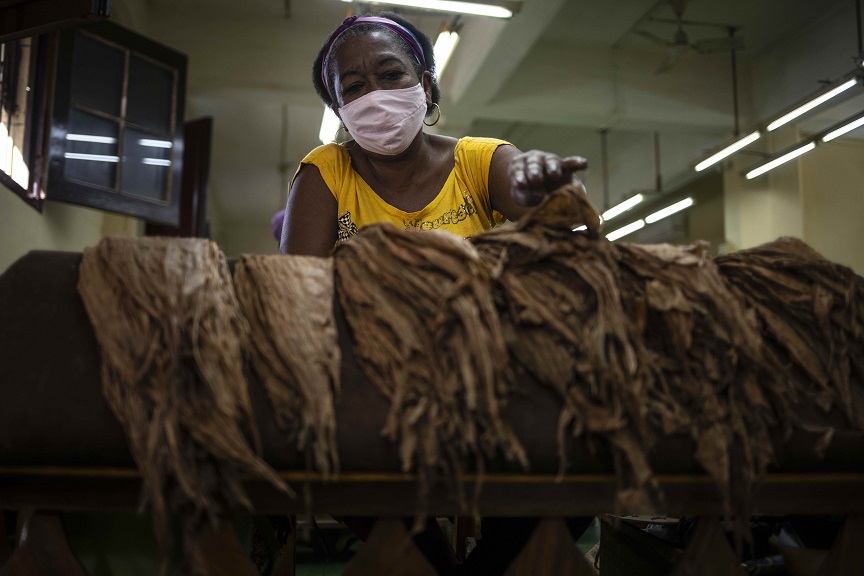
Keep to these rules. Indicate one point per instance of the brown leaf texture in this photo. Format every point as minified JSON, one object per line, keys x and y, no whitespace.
{"x":288,"y":302}
{"x":636,"y":341}
{"x":427,"y":335}
{"x":811,"y":315}
{"x":167,"y":321}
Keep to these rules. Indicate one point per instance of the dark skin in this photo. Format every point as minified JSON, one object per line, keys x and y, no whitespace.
{"x":374,"y":61}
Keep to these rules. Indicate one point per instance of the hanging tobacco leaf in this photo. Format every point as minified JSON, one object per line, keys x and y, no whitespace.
{"x":558,"y":298}
{"x":288,"y":302}
{"x":637,"y":342}
{"x":170,"y":332}
{"x":811,"y":316}
{"x":710,"y":378}
{"x":427,"y":335}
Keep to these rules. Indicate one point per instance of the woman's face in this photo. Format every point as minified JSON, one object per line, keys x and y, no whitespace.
{"x":374,"y":61}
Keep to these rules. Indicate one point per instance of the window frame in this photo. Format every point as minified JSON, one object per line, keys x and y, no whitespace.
{"x":56,"y":186}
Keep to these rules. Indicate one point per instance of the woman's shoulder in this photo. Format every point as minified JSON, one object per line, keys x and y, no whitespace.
{"x":326,"y":153}
{"x":476,"y":150}
{"x":480,"y":143}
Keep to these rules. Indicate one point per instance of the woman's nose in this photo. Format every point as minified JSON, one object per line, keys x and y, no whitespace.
{"x":372,"y":84}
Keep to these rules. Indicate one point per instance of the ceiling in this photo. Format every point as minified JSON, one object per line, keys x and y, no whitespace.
{"x":552,"y":77}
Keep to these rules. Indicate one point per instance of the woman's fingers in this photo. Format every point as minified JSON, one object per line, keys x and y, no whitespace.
{"x":533,"y":174}
{"x":574,"y":163}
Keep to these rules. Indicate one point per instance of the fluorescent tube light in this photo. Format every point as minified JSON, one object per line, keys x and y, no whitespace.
{"x":669,"y":210}
{"x":444,"y":46}
{"x":625,"y":230}
{"x":622,"y":207}
{"x":156,"y":162}
{"x":781,"y":160}
{"x":475,"y":9}
{"x":90,"y":138}
{"x":91,"y":157}
{"x":843,"y":129}
{"x":812,"y":104}
{"x":728,"y":151}
{"x":156,"y":143}
{"x":329,"y":126}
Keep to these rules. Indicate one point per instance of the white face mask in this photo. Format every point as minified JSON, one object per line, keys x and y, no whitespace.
{"x":386,"y":121}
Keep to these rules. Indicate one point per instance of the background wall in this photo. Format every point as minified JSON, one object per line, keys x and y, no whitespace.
{"x":832,"y":183}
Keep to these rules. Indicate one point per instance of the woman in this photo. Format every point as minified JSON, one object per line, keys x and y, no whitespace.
{"x":377,"y":75}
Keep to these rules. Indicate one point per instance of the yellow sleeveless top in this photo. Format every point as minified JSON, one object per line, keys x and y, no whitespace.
{"x":461,"y":207}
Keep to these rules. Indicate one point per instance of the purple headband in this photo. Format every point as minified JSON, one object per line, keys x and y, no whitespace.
{"x":403,"y":33}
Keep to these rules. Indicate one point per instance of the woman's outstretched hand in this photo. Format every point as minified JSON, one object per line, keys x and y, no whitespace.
{"x":535,"y":173}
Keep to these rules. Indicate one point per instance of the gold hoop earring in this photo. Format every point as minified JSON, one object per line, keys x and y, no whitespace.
{"x":435,"y":104}
{"x":336,"y":137}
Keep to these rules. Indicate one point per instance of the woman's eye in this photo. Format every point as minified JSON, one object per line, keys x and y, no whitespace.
{"x":395,"y":75}
{"x":351,"y":89}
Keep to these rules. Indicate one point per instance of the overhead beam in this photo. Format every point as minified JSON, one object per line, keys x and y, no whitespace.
{"x":510,"y":46}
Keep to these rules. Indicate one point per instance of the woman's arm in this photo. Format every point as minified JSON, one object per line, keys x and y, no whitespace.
{"x":311,"y":225}
{"x":519,"y":180}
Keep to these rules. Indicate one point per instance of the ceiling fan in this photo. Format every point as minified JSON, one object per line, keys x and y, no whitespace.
{"x":680,"y":46}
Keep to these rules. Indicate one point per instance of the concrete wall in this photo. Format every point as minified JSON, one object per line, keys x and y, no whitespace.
{"x":244,"y":237}
{"x":818,"y":198}
{"x":832,"y":182}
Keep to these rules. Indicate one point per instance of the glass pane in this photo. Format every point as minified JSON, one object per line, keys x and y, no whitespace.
{"x":91,"y":149}
{"x":151,"y":94}
{"x":97,"y":75}
{"x":146,"y":165}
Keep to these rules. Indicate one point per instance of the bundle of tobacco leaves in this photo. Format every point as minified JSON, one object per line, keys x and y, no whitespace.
{"x":559,"y":300}
{"x":810,"y":313}
{"x":709,"y":377}
{"x":637,"y":341}
{"x":167,"y":321}
{"x":288,"y":302}
{"x":427,"y":335}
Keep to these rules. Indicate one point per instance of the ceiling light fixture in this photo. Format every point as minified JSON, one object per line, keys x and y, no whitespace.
{"x":625,"y":230}
{"x":472,"y":8}
{"x":622,"y":207}
{"x":669,"y":210}
{"x":847,"y":127}
{"x":728,"y":151}
{"x":329,"y":126}
{"x":837,"y":87}
{"x":813,"y":103}
{"x":444,"y":47}
{"x":780,"y":160}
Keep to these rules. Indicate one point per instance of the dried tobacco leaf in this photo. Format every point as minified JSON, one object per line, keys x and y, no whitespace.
{"x":710,"y":377}
{"x":559,"y":297}
{"x":636,"y":341}
{"x":288,"y":301}
{"x":811,"y":315}
{"x":427,"y":335}
{"x":167,"y":321}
